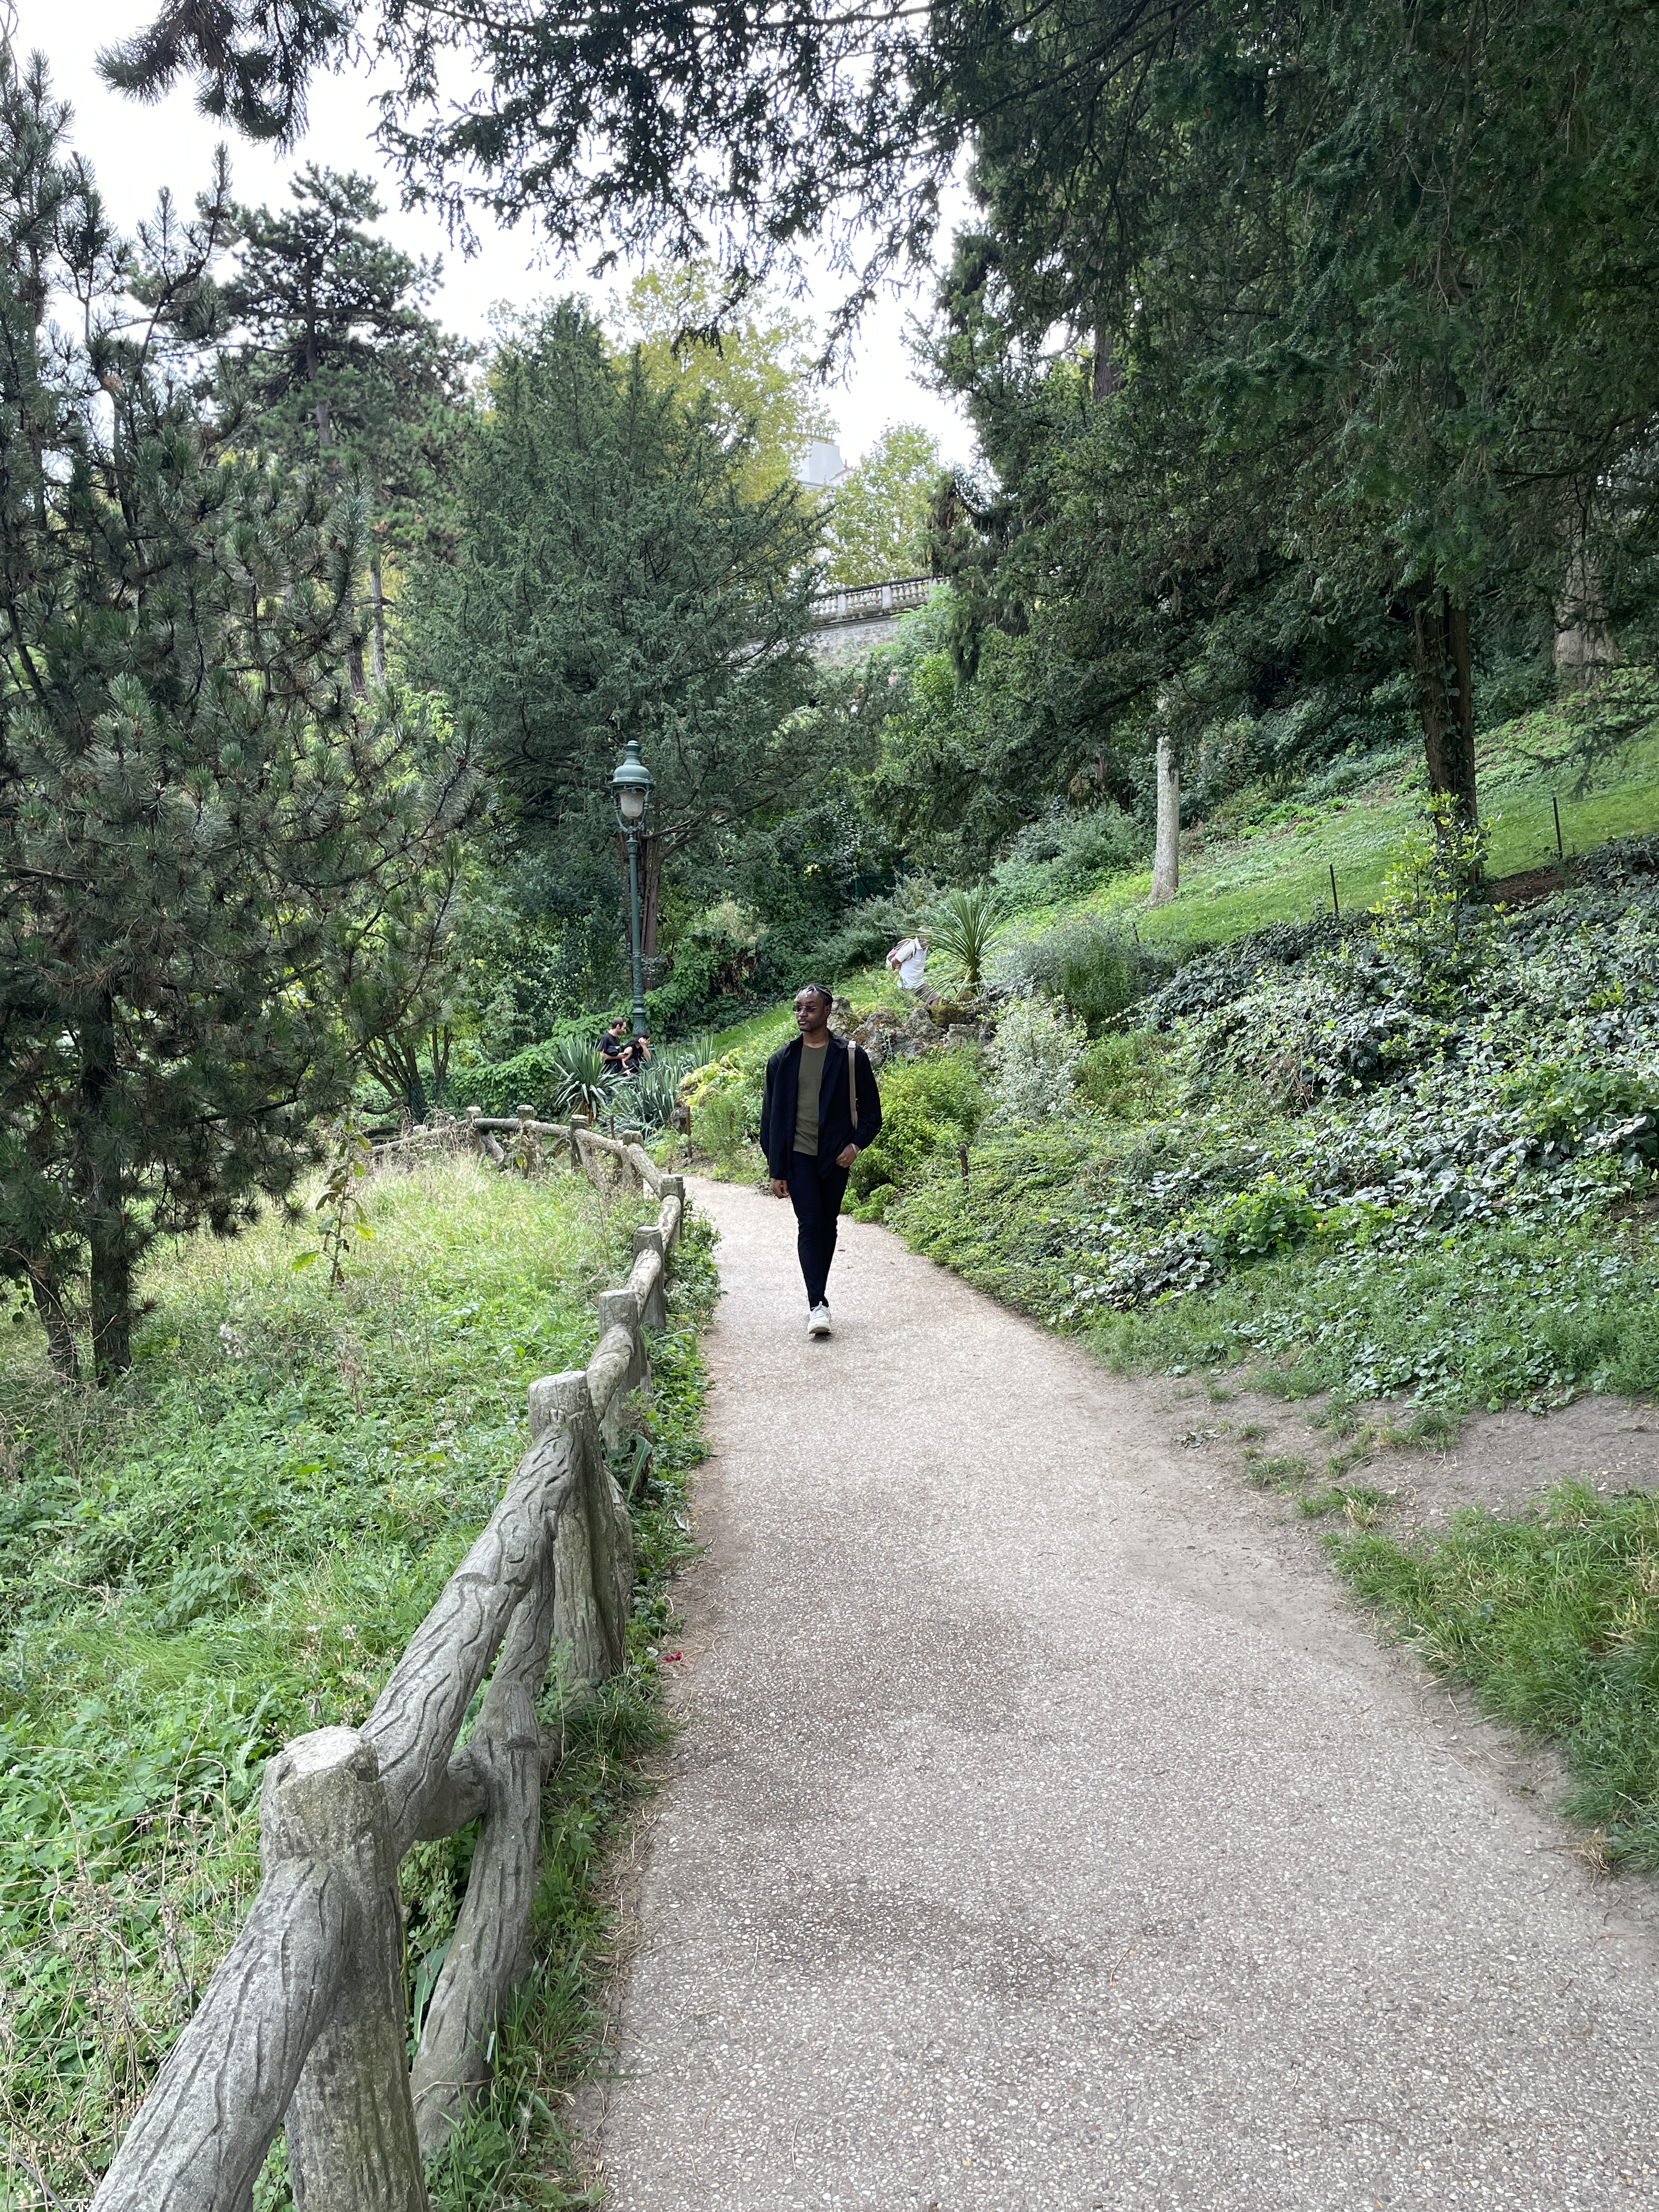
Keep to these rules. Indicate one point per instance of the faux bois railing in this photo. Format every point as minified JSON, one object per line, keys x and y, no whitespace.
{"x":305,"y":2025}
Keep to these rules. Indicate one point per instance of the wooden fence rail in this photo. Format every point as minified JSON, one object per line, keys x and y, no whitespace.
{"x":305,"y":2025}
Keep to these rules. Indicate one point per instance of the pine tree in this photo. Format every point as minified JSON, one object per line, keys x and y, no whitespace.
{"x":344,"y":366}
{"x":202,"y":840}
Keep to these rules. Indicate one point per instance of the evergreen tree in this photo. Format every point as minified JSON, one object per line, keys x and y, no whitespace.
{"x":614,"y":581}
{"x":204,"y":851}
{"x":343,"y":365}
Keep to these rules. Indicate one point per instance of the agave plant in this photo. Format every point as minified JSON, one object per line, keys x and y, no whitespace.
{"x":964,"y":926}
{"x":581,"y":1082}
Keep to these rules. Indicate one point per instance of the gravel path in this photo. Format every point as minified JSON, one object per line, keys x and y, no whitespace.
{"x":1045,"y":1832}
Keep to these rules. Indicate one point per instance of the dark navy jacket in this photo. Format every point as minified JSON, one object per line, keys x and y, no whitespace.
{"x":836,"y":1130}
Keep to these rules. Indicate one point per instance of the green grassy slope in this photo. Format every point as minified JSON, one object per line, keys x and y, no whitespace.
{"x":1272,"y":862}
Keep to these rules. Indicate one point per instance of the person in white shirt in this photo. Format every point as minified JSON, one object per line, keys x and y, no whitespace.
{"x":908,"y":961}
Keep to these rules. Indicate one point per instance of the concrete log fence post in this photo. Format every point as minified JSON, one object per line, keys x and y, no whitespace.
{"x":562,"y":1402}
{"x":200,"y":2138}
{"x":654,"y":1310}
{"x":351,"y":2142}
{"x":486,"y":1953}
{"x":674,"y":1187}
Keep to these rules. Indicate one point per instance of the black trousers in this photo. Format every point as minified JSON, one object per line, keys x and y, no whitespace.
{"x":817,"y":1189}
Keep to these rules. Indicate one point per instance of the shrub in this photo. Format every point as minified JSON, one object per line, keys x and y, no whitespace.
{"x":1038,"y":1053}
{"x":1067,"y":854}
{"x":930,"y":1104}
{"x":1126,"y":1077}
{"x":530,"y":1078}
{"x":714,"y":959}
{"x":1089,"y":963}
{"x":1425,"y":925}
{"x":870,"y":930}
{"x":1270,"y":1217}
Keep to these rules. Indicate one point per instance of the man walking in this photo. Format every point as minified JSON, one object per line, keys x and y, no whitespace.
{"x":822,"y":1109}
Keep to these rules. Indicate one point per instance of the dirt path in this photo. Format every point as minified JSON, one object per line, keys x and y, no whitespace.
{"x":1046,"y":1834}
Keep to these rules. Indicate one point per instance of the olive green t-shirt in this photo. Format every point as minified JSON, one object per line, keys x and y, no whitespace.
{"x":806,"y":1098}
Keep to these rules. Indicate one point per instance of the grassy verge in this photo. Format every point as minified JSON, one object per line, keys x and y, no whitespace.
{"x":234,"y":1547}
{"x":1553,"y":1617}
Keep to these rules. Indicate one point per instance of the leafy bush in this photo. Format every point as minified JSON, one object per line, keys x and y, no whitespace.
{"x":1126,"y":1076}
{"x":724,"y":1096}
{"x":1426,"y":927}
{"x":1270,"y":1217}
{"x":1065,"y":854}
{"x":530,"y":1077}
{"x":1037,"y":1056}
{"x":713,"y":960}
{"x":929,"y":1105}
{"x":869,"y":931}
{"x":1090,"y":963}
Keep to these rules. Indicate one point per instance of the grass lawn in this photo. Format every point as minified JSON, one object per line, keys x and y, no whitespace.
{"x":1280,"y":870}
{"x":233,"y":1547}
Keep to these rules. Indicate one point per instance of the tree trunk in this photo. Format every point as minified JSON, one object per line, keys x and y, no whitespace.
{"x":111,"y":1295}
{"x":49,"y":1305}
{"x":377,"y":600}
{"x":1584,"y":643}
{"x":1445,"y":698}
{"x":354,"y":668}
{"x":1166,"y":855}
{"x":1102,"y":374}
{"x":650,"y":894}
{"x":108,"y":1251}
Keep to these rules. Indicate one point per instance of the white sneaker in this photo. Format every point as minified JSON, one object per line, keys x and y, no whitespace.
{"x":817,"y":1322}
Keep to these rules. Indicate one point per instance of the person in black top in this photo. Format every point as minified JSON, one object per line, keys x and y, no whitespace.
{"x":822,"y":1109}
{"x":614,"y":1046}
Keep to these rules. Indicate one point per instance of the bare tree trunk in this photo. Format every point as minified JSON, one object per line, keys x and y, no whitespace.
{"x":377,"y":600}
{"x":1445,"y":699}
{"x":1103,"y":377}
{"x":1166,"y":854}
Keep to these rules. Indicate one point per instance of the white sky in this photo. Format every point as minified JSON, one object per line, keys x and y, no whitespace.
{"x":135,"y":150}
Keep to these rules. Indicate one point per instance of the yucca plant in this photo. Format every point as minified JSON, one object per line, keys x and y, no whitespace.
{"x":581,"y":1082}
{"x":652,"y":1094}
{"x":963,"y":928}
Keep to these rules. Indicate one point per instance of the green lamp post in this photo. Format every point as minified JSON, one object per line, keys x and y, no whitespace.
{"x":631,"y":788}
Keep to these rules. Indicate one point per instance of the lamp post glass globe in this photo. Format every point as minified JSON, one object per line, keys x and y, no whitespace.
{"x":631,"y":787}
